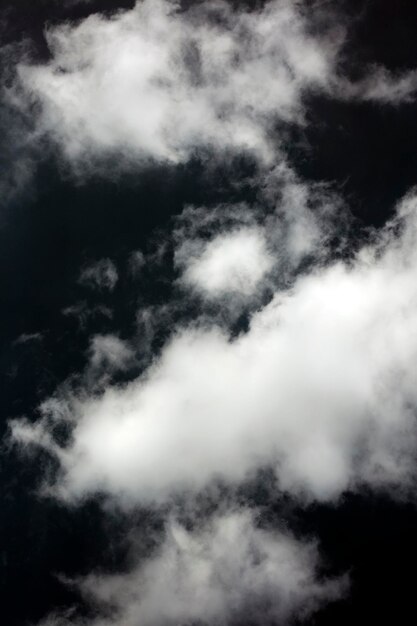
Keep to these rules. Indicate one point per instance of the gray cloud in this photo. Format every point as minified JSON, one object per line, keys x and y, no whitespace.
{"x":380,"y":85}
{"x":100,"y":275}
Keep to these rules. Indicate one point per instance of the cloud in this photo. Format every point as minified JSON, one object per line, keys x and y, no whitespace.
{"x":223,"y":572}
{"x":233,"y":254}
{"x":109,"y":350}
{"x":159,"y":83}
{"x":137,"y":263}
{"x":232,"y":263}
{"x":19,"y":154}
{"x":108,"y":354}
{"x":28,"y":337}
{"x":100,"y":275}
{"x":380,"y":85}
{"x":321,"y":387}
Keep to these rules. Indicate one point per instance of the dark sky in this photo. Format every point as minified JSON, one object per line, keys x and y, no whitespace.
{"x":66,"y":214}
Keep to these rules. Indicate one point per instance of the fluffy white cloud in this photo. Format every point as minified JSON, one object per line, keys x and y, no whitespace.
{"x":233,"y":254}
{"x":221,"y":573}
{"x":231,"y":263}
{"x":156,"y":82}
{"x":322,"y":387}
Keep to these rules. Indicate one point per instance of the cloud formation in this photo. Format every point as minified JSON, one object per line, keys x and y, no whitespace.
{"x":226,"y":571}
{"x":158,"y":83}
{"x":321,"y":387}
{"x":233,"y":253}
{"x":232,"y":263}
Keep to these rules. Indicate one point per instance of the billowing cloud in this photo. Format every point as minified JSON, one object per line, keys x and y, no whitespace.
{"x":321,"y":387}
{"x":316,"y":381}
{"x":157,"y":83}
{"x":226,"y":571}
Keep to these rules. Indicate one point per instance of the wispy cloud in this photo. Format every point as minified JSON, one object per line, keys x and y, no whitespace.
{"x":100,"y":275}
{"x":227,"y":570}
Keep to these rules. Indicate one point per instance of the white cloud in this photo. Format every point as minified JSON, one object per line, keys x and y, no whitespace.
{"x":233,"y":254}
{"x":231,"y":263}
{"x":322,"y":387}
{"x":221,"y":573}
{"x":157,"y":83}
{"x":100,"y":275}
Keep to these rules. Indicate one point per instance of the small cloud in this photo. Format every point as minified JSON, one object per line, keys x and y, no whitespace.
{"x":137,"y":262}
{"x":83,"y":313}
{"x":231,"y":263}
{"x":110,"y":353}
{"x":101,"y":275}
{"x":28,"y":337}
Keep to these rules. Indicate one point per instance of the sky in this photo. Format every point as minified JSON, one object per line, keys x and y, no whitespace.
{"x":208,"y":225}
